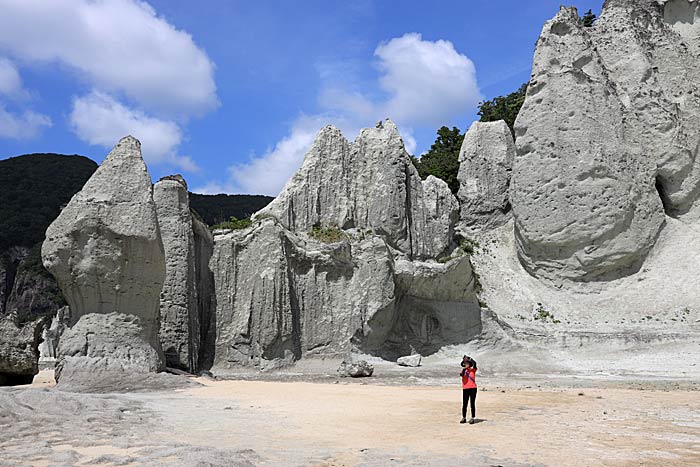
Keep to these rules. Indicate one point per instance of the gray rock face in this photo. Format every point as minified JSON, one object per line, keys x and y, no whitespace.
{"x":281,"y":297}
{"x":358,"y":369}
{"x":281,"y":294}
{"x":19,"y":353}
{"x":33,"y":292}
{"x":106,"y":253}
{"x":50,"y":336}
{"x":204,"y":284}
{"x":651,"y":50}
{"x":180,"y":326}
{"x":370,"y":183}
{"x":409,"y":360}
{"x":611,"y":114}
{"x":485,"y":164}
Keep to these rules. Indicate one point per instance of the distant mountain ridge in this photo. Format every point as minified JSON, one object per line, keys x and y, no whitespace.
{"x":35,"y":186}
{"x":215,"y":209}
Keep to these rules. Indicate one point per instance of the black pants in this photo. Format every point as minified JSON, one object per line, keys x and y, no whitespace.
{"x":468,"y":395}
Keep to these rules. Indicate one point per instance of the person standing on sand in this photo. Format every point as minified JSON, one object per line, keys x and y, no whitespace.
{"x":468,"y":375}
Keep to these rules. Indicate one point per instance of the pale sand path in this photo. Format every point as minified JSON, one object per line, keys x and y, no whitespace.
{"x":224,"y":423}
{"x":283,"y":421}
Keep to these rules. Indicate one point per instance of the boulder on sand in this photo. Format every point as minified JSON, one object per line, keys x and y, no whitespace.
{"x":355,"y":369}
{"x":409,"y":360}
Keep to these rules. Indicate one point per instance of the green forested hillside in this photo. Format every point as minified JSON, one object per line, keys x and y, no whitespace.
{"x":34,"y":187}
{"x":215,"y":209}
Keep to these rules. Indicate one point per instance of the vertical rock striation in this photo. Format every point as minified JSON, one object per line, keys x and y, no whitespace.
{"x":485,"y":164}
{"x":179,"y":321}
{"x":185,"y":301}
{"x":105,"y":251}
{"x":370,"y":183}
{"x":205,"y":306}
{"x":609,"y":130}
{"x":283,"y":294}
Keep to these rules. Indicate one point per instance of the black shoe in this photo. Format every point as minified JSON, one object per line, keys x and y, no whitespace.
{"x":471,"y":421}
{"x":464,"y":420}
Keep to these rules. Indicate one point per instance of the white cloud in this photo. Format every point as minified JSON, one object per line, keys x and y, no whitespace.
{"x":429,"y":82}
{"x":266,"y":174}
{"x":22,"y":126}
{"x":117,"y":46}
{"x":10,"y":81}
{"x":100,"y":120}
{"x":426,"y":84}
{"x":17,"y":125}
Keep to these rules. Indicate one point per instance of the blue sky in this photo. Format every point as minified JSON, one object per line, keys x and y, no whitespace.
{"x":231,"y":93}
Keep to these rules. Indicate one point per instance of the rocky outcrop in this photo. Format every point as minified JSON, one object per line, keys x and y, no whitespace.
{"x":204,"y":285}
{"x":33,"y":292}
{"x":608,"y":131}
{"x":280,"y":297}
{"x":185,"y":301}
{"x":485,"y":164}
{"x":19,"y":353}
{"x":368,"y":184}
{"x":106,"y":253}
{"x":282,"y":293}
{"x":179,"y":321}
{"x":50,"y":337}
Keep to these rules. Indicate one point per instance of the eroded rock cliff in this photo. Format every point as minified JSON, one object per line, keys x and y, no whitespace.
{"x":370,"y":183}
{"x":179,"y":322}
{"x":608,"y":131}
{"x":282,"y":293}
{"x":184,"y":300}
{"x":106,"y":253}
{"x":485,"y":164}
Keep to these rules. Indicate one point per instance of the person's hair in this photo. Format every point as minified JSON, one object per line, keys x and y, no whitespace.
{"x":470,"y":361}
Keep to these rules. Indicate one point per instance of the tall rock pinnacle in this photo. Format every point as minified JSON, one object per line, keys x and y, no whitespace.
{"x":106,"y":253}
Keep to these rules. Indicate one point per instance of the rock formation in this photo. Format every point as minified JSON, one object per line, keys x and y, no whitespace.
{"x":280,"y":298}
{"x":485,"y":164}
{"x":368,"y":184}
{"x":50,"y":337}
{"x":283,"y":294}
{"x":106,"y":253}
{"x":180,"y":326}
{"x":205,"y":306}
{"x":609,"y":129}
{"x":19,"y":353}
{"x":409,"y":360}
{"x":355,"y":369}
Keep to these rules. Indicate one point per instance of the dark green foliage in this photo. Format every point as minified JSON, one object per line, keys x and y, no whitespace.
{"x":233,"y":223}
{"x":34,"y":188}
{"x":469,"y":246}
{"x":327,"y":234}
{"x":588,"y":19}
{"x":503,"y":108}
{"x":215,"y":209}
{"x":442,"y":161}
{"x":542,"y":314}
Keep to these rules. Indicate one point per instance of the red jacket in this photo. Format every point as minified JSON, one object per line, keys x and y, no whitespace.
{"x":468,"y":378}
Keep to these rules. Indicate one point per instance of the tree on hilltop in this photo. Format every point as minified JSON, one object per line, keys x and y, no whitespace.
{"x":441,"y":160}
{"x":504,"y":108}
{"x":588,"y":19}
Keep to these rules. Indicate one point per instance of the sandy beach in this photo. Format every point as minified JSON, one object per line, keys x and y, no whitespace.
{"x":352,"y":423}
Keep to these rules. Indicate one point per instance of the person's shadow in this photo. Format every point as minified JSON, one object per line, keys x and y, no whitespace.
{"x":479,"y":420}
